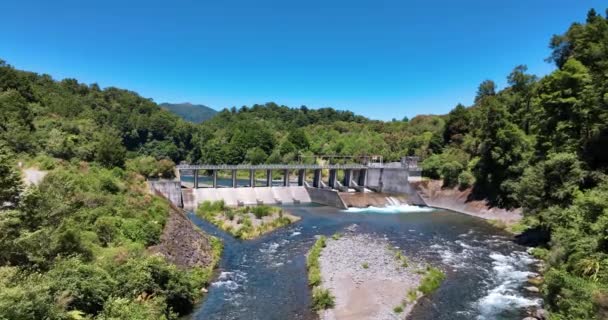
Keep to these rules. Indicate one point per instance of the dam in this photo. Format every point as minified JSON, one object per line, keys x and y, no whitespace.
{"x":336,"y":185}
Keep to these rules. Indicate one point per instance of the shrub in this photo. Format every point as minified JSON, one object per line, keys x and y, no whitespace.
{"x":261,"y":211}
{"x":398,"y":309}
{"x":229,"y":214}
{"x":412,"y":295}
{"x":465,"y":179}
{"x":322,"y":299}
{"x":431,"y":281}
{"x":365,"y":265}
{"x":450,"y":172}
{"x":431,"y":166}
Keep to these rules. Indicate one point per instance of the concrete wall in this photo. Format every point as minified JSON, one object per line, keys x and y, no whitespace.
{"x":327,"y":197}
{"x":169,"y":189}
{"x":247,"y":196}
{"x":393,"y":180}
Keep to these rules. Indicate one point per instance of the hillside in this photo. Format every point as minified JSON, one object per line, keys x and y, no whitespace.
{"x":195,"y":113}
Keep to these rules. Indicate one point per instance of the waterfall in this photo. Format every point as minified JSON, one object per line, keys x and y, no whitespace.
{"x":393,"y":201}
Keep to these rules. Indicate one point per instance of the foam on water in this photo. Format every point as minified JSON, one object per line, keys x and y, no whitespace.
{"x":230,"y":280}
{"x":509,"y":273}
{"x":392,"y":209}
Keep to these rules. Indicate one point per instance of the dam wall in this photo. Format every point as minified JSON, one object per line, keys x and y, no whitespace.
{"x":170,"y":189}
{"x":246,"y":196}
{"x":326,"y":197}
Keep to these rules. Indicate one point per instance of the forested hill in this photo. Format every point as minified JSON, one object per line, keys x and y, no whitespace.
{"x":540,"y":144}
{"x":195,"y":113}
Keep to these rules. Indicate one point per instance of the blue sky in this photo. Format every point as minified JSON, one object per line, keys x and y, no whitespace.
{"x":382,"y":59}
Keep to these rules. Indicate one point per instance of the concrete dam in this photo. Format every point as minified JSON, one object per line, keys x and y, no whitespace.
{"x":337,"y":185}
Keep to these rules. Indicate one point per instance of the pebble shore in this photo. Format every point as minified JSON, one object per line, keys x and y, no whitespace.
{"x":361,"y":271}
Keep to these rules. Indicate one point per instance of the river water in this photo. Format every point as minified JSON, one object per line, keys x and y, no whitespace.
{"x":266,"y":278}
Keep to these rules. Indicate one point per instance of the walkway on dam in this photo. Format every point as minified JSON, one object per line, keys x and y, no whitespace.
{"x":182,"y":167}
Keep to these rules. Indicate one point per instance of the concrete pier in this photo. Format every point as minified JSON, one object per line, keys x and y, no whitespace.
{"x":347,"y":178}
{"x":316,"y":180}
{"x":286,"y":177}
{"x":332,"y":178}
{"x":301,"y":177}
{"x":269,"y":178}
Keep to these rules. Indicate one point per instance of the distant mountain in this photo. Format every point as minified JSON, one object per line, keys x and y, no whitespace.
{"x":196,"y":113}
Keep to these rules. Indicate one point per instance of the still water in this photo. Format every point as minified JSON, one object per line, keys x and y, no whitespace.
{"x":266,"y":278}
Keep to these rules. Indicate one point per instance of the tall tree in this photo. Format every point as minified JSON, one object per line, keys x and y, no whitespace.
{"x":486,"y":88}
{"x":503,"y":153}
{"x":11,"y":184}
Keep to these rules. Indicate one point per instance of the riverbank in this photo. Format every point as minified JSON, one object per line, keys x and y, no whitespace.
{"x":434,"y":195}
{"x":185,"y":245}
{"x":368,"y":278}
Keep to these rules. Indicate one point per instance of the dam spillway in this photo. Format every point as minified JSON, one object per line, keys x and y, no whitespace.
{"x":336,"y":185}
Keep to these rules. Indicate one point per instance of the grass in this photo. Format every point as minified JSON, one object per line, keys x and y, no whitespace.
{"x":400,"y":257}
{"x":412,"y":295}
{"x":312,"y":262}
{"x":321,"y":298}
{"x":336,"y":236}
{"x":431,"y":281}
{"x":240,"y":221}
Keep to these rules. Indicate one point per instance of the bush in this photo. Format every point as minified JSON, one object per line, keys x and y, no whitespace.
{"x":261,"y":211}
{"x":149,"y":167}
{"x":465,"y":179}
{"x":398,"y":309}
{"x":121,"y":308}
{"x":450,"y":172}
{"x":431,"y":166}
{"x":322,"y":299}
{"x":431,"y":281}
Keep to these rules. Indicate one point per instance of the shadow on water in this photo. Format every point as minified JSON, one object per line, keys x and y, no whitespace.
{"x":266,"y":278}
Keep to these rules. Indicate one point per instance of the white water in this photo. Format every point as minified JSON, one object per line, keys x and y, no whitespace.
{"x":504,"y":295}
{"x":391,"y":209}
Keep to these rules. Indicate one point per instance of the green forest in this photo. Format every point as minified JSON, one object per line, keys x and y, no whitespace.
{"x":74,"y":247}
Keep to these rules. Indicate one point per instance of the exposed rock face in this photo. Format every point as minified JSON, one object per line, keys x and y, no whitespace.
{"x":184,"y":244}
{"x":460,"y":200}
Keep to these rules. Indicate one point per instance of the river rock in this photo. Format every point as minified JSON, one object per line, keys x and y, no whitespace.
{"x":532,"y":289}
{"x":536,"y":281}
{"x":541,"y":314}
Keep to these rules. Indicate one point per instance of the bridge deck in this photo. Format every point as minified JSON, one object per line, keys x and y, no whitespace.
{"x":270,"y":167}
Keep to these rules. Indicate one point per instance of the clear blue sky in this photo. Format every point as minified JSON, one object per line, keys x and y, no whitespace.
{"x":382,"y":59}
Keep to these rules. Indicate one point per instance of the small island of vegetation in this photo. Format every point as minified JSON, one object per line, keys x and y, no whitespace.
{"x":245,"y":222}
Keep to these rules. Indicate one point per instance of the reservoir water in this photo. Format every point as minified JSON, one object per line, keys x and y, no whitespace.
{"x":266,"y":278}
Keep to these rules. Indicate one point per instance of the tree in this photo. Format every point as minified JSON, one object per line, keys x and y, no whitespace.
{"x":298,"y":138}
{"x":486,"y":88}
{"x":109,"y":150}
{"x":11,"y":184}
{"x":456,"y":125}
{"x":504,"y":151}
{"x":256,"y":155}
{"x":568,"y":103}
{"x":554,"y":182}
{"x":522,"y":89}
{"x":16,"y":121}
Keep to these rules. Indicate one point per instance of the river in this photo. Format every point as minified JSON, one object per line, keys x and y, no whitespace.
{"x":266,"y":278}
